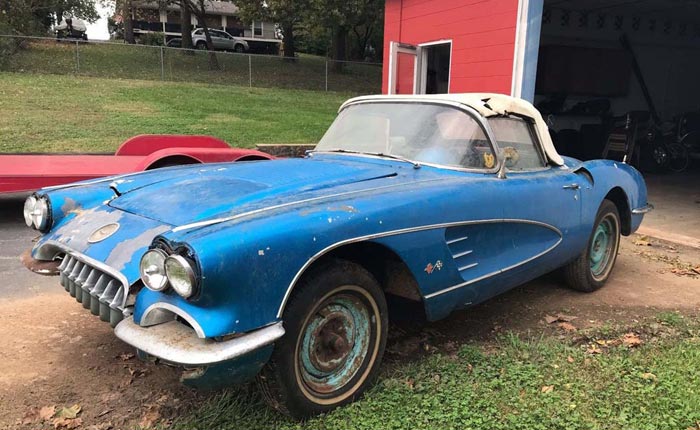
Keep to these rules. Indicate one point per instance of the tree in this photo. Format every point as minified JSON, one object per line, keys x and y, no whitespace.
{"x":198,"y":8}
{"x":342,"y":16}
{"x":37,"y":16}
{"x":186,"y":27}
{"x":288,"y":14}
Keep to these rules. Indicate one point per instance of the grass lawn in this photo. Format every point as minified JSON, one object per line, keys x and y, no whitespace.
{"x":587,"y":380}
{"x":144,"y":62}
{"x":52,"y":113}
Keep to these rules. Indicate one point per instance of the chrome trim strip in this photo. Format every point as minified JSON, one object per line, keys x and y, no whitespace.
{"x":294,"y":203}
{"x":495,"y":272}
{"x":468,"y":266}
{"x":450,"y":242}
{"x":403,"y":231}
{"x":90,"y":261}
{"x":644,"y":209}
{"x":151,"y":311}
{"x":176,"y":343}
{"x":462,"y":254}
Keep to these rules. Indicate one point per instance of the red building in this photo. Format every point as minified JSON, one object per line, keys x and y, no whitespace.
{"x":562,"y":52}
{"x":437,"y":46}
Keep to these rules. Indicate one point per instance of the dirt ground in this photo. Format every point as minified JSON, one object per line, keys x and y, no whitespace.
{"x":54,"y":353}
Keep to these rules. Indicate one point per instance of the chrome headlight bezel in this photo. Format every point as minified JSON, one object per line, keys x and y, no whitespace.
{"x":182,"y":275}
{"x":160,"y":266}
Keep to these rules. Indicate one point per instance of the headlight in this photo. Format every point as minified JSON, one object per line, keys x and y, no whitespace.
{"x":36,"y":212}
{"x":152,"y":269}
{"x":181,"y":275}
{"x":29,"y":210}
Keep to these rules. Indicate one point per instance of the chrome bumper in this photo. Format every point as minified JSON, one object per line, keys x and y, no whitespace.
{"x":644,"y":209}
{"x":177,"y":343}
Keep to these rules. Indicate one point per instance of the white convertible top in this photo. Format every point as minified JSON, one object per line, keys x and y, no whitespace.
{"x":487,"y":104}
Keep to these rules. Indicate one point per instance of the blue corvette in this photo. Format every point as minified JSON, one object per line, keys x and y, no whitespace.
{"x":287,"y":269}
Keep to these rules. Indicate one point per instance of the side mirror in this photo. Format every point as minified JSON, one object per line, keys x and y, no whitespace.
{"x":504,"y":157}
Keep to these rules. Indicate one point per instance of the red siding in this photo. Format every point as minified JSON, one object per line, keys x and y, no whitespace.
{"x":482,"y":33}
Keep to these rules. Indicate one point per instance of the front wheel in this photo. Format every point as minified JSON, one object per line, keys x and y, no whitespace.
{"x":336,"y":329}
{"x":592,"y":268}
{"x":239,"y":48}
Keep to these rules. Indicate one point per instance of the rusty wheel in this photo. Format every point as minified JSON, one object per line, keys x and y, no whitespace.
{"x":336,"y":332}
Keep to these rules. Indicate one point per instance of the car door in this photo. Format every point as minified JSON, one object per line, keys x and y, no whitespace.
{"x":544,"y":203}
{"x":217,"y":39}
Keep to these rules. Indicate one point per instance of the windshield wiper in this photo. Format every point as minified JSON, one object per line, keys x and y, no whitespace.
{"x":416,"y":165}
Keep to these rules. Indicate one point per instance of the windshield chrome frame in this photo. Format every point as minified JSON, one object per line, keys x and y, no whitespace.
{"x":459,"y":106}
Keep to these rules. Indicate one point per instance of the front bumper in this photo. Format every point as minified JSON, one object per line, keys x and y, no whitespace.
{"x":176,"y":343}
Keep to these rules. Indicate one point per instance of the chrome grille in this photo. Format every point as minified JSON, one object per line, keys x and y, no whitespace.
{"x":95,"y":289}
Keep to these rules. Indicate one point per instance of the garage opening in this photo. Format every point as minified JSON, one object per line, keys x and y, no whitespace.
{"x":618,"y":79}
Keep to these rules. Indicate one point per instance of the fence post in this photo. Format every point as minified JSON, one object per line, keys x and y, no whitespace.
{"x":162,"y":63}
{"x":77,"y":58}
{"x":326,"y":75}
{"x":250,"y":71}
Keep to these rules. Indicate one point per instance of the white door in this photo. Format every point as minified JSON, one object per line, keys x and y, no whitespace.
{"x":404,"y":68}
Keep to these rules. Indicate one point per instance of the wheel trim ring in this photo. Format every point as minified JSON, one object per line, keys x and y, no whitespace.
{"x":612,"y":243}
{"x":372,"y":359}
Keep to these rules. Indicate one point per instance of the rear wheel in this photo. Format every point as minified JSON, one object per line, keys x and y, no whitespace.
{"x":592,"y":268}
{"x":201,"y":45}
{"x":336,"y":329}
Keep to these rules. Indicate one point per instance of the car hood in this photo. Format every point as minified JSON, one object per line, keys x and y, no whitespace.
{"x":191,"y":194}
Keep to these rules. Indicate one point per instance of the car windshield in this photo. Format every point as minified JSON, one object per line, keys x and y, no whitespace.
{"x":421,"y":132}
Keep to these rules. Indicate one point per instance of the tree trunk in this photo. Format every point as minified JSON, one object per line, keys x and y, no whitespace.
{"x":213,"y":61}
{"x":288,"y":41}
{"x":128,"y":22}
{"x":339,"y":48}
{"x":186,"y":26}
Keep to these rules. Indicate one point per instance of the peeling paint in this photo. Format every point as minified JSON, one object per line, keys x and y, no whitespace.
{"x":124,"y":251}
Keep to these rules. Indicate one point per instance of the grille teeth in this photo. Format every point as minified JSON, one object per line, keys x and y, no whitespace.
{"x":96,"y":290}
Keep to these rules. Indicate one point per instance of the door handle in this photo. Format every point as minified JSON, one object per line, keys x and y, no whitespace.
{"x":571,"y":187}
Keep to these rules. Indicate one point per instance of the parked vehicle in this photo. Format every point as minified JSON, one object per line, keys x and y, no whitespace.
{"x":71,"y":28}
{"x":221,"y":40}
{"x":286,"y":269}
{"x":28,"y":172}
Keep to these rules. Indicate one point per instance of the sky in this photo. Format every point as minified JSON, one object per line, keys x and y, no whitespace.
{"x":98,"y":30}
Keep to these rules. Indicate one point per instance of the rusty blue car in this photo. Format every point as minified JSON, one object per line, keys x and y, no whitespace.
{"x":286,"y":270}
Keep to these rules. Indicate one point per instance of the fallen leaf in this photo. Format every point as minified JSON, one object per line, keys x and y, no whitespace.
{"x":593,"y":349}
{"x":47,"y":412}
{"x":548,"y":388}
{"x":103,"y":413}
{"x":67,"y":423}
{"x":436,"y":378}
{"x":149,"y":418}
{"x":565,"y":318}
{"x":567,"y":326}
{"x":410,"y":383}
{"x":126,"y":356}
{"x":631,"y":340}
{"x":649,"y":376}
{"x":29,"y":417}
{"x":470,"y":368}
{"x":69,"y":413}
{"x":550,"y":319}
{"x":570,"y":359}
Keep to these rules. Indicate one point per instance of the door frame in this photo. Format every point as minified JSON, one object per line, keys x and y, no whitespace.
{"x":423,"y":53}
{"x":396,"y":48}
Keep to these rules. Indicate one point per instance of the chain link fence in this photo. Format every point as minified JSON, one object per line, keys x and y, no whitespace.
{"x":118,"y":60}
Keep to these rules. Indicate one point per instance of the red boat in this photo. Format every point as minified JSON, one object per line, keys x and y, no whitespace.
{"x":27,"y":172}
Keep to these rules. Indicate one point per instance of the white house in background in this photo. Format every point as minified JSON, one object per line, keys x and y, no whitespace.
{"x":150,"y":17}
